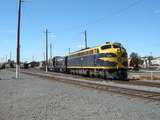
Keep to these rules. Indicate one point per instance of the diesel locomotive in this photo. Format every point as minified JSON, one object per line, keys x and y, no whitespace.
{"x":108,"y":61}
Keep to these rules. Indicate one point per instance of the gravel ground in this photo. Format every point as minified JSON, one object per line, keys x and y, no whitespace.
{"x":33,"y":98}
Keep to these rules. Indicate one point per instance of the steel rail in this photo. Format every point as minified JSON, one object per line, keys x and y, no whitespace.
{"x":130,"y":82}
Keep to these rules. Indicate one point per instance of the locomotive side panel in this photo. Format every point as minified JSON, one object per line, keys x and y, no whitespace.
{"x":109,"y":61}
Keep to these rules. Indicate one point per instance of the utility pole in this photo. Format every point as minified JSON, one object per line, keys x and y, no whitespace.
{"x":10,"y":56}
{"x":69,"y":50}
{"x":18,"y":42}
{"x":44,"y":58}
{"x":50,"y":51}
{"x":46,"y":50}
{"x":32,"y":58}
{"x":85,"y":37}
{"x":50,"y":61}
{"x":6,"y":59}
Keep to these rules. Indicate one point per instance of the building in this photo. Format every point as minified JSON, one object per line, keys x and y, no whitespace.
{"x":156,"y":61}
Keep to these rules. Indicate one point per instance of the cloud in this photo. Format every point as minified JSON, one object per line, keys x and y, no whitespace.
{"x":157,"y":12}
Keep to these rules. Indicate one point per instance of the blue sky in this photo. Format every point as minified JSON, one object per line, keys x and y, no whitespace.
{"x":137,"y":28}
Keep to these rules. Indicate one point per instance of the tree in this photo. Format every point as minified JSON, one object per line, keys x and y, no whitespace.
{"x":135,"y":60}
{"x":150,"y":57}
{"x":133,"y":55}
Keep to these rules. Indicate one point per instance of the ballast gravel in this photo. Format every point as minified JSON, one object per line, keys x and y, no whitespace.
{"x":33,"y":98}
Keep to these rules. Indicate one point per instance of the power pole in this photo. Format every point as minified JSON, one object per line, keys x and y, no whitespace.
{"x":69,"y":50}
{"x":18,"y":42}
{"x":50,"y":51}
{"x":44,"y":56}
{"x":32,"y":58}
{"x":10,"y":56}
{"x":6,"y":59}
{"x":46,"y":50}
{"x":85,"y":37}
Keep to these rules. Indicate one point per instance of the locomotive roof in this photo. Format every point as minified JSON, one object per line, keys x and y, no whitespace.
{"x":82,"y":50}
{"x":87,"y":49}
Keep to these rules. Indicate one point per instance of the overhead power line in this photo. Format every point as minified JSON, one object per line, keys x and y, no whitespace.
{"x":129,"y":6}
{"x":133,"y":4}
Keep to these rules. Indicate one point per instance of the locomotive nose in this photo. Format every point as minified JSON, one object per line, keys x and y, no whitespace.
{"x":120,"y":59}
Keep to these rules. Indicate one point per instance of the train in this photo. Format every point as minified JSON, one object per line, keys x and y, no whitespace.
{"x":108,"y":61}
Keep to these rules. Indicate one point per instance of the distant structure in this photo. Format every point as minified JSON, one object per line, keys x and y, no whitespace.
{"x":151,"y":64}
{"x":146,"y":62}
{"x":156,"y":61}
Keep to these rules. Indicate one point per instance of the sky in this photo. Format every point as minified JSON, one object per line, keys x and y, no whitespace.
{"x":134,"y":23}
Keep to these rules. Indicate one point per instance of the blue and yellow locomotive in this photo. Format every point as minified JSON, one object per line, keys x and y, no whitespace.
{"x":109,"y":61}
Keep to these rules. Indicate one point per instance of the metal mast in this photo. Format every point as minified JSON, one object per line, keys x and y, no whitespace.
{"x":85,"y":37}
{"x":69,"y":50}
{"x":50,"y":51}
{"x":46,"y":50}
{"x":18,"y":42}
{"x":10,"y":57}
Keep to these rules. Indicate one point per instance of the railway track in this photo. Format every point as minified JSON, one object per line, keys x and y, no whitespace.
{"x":94,"y":85}
{"x":130,"y":82}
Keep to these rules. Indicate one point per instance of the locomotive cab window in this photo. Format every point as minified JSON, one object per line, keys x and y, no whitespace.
{"x":106,"y":47}
{"x":123,"y":49}
{"x":119,"y":46}
{"x":116,"y":46}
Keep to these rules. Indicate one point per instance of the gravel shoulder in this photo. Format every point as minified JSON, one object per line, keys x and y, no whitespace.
{"x":33,"y":98}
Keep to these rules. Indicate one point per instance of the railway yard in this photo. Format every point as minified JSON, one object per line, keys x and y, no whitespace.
{"x":57,"y":96}
{"x":80,"y":60}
